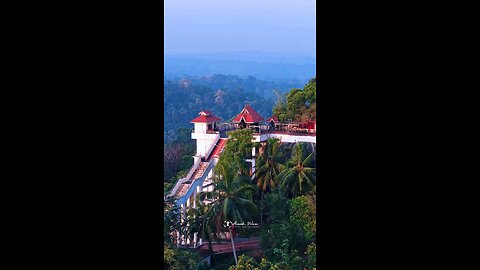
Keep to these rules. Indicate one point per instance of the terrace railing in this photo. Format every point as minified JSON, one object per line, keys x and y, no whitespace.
{"x":185,"y":179}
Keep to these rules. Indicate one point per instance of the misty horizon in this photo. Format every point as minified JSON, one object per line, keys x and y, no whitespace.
{"x":224,"y":27}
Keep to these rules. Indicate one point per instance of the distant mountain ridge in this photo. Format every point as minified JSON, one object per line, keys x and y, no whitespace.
{"x":265,"y":66}
{"x":248,"y":83}
{"x":260,"y":57}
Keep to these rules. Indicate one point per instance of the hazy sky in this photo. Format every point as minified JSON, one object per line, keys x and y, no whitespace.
{"x":278,"y":26}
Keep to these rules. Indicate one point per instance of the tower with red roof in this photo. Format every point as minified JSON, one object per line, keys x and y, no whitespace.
{"x":205,"y":132}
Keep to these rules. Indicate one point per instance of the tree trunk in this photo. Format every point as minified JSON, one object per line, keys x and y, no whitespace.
{"x":233,"y":247}
{"x":261,"y":210}
{"x":210,"y":249}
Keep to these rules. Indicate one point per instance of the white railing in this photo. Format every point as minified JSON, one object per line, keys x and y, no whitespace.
{"x":193,"y":169}
{"x":177,"y":186}
{"x":197,"y":182}
{"x":185,"y":179}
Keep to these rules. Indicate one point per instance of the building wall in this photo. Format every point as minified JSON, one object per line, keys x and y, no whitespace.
{"x":285,"y":138}
{"x":205,"y":141}
{"x":200,"y":127}
{"x":206,"y":144}
{"x":202,"y":147}
{"x":294,"y":138}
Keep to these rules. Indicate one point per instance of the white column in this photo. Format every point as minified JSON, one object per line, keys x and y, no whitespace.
{"x":182,"y":212}
{"x":186,"y":209}
{"x":195,"y":199}
{"x":178,"y":238}
{"x":183,"y":220}
{"x":186,"y":219}
{"x":195,"y":206}
{"x":253,"y":159}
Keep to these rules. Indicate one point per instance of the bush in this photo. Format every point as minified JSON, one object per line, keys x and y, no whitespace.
{"x":177,"y":259}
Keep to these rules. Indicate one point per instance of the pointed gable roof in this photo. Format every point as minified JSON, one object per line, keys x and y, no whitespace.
{"x":274,"y":118}
{"x":205,"y":112}
{"x":205,"y":117}
{"x":249,"y":115}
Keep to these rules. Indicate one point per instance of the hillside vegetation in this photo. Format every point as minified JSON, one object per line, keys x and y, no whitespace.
{"x":298,"y":105}
{"x":281,"y":198}
{"x":224,"y":95}
{"x":273,"y":67}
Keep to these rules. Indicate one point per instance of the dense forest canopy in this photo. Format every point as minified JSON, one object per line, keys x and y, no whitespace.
{"x":298,"y":105}
{"x":281,"y":196}
{"x":224,"y":95}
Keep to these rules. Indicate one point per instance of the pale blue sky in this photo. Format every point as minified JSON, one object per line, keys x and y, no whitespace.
{"x":274,"y":26}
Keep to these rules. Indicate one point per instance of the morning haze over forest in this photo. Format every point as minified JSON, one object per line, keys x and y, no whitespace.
{"x":267,"y":39}
{"x":239,"y":135}
{"x":232,"y":53}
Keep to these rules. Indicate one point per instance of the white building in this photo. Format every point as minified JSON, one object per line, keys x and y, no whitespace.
{"x":209,"y":147}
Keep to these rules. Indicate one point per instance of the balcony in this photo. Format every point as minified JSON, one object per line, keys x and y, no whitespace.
{"x":209,"y":131}
{"x":205,"y":136}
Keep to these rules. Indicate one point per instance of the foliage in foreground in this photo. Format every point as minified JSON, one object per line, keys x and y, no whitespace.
{"x":248,"y":263}
{"x":299,"y":176}
{"x":289,"y":241}
{"x":178,"y":259}
{"x":237,"y":149}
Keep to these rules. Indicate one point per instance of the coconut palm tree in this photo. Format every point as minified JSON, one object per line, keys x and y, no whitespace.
{"x":268,"y":169}
{"x":299,"y":176}
{"x":171,"y":220}
{"x":201,"y":220}
{"x":232,"y":195}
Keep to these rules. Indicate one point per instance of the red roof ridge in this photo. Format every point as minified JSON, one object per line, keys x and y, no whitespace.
{"x":274,"y":118}
{"x":206,"y":117}
{"x":249,"y":115}
{"x":205,"y":112}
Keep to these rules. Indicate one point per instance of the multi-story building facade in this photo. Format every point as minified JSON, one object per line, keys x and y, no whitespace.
{"x":210,"y":142}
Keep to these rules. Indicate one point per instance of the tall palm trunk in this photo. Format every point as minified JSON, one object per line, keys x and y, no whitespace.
{"x":210,"y":249}
{"x":261,"y":210}
{"x":233,"y":247}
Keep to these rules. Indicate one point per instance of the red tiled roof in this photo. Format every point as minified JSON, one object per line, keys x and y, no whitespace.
{"x":249,"y":114}
{"x":218,"y":148}
{"x":206,"y":119}
{"x":274,"y":118}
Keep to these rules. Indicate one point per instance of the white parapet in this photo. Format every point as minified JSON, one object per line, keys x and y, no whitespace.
{"x":286,"y":138}
{"x":203,"y":136}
